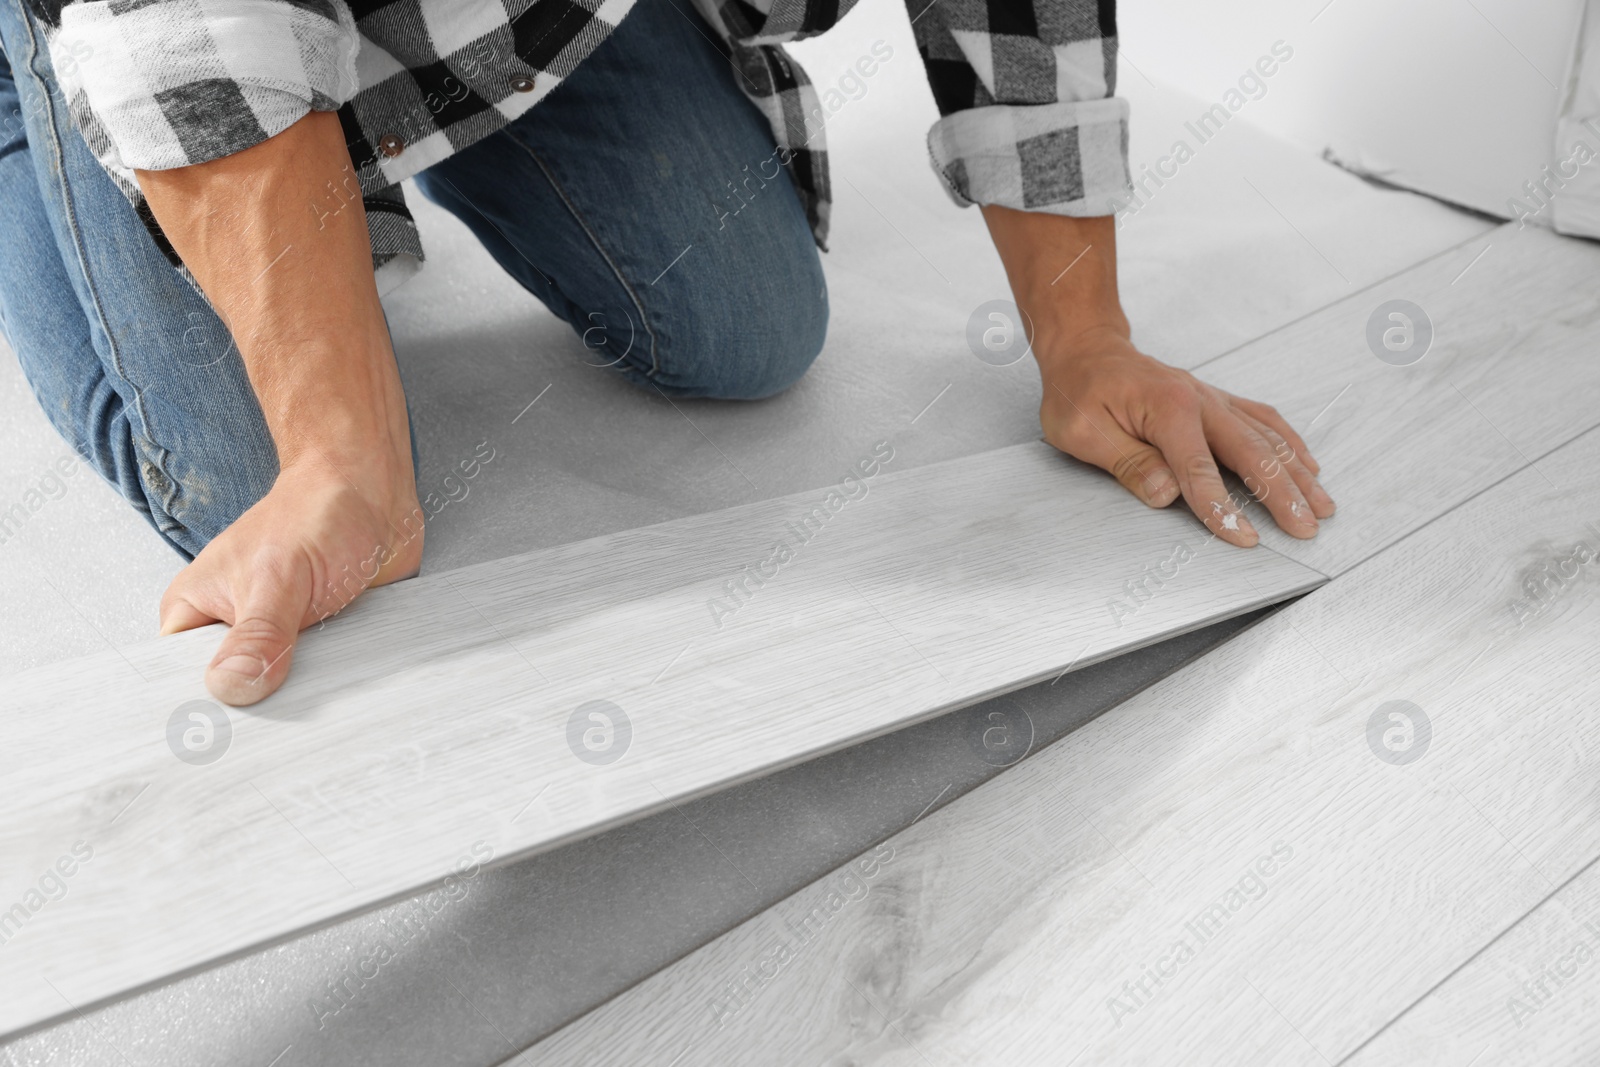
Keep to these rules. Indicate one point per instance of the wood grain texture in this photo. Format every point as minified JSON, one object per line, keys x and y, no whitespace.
{"x":1222,"y":870}
{"x":1509,"y":376}
{"x":429,"y":729}
{"x":1531,"y":998}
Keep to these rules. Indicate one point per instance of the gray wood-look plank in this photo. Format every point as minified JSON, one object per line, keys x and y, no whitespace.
{"x":1530,"y":999}
{"x":1509,"y":375}
{"x":432,"y":728}
{"x":533,"y":944}
{"x":1236,"y":866}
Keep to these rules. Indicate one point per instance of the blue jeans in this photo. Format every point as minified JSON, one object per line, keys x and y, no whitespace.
{"x":611,"y":202}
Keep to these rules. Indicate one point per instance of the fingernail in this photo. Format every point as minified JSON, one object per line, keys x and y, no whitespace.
{"x":1303,"y":513}
{"x":1163,"y":487}
{"x":250,"y":668}
{"x":237,"y":680}
{"x":1234,"y":522}
{"x":1320,"y":498}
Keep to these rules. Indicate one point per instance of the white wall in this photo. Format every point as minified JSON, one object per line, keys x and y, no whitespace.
{"x":1576,"y":208}
{"x":1456,"y":98}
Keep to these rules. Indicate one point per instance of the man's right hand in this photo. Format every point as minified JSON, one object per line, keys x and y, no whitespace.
{"x":277,"y":238}
{"x":308,"y":548}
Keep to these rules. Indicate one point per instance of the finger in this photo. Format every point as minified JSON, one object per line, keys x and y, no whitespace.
{"x":1322,"y":505}
{"x":255,"y":656}
{"x":1268,"y":415}
{"x":1137,"y":465}
{"x":1179,"y":432}
{"x":1251,"y":456}
{"x":1103,"y":442}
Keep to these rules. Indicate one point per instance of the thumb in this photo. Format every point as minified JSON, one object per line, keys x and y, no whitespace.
{"x":255,"y":656}
{"x":1139,"y":466}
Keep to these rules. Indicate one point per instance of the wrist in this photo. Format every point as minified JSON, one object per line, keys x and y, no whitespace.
{"x":341,"y":443}
{"x":334,"y":406}
{"x":1065,"y":335}
{"x":1063,"y":357}
{"x":365,"y":446}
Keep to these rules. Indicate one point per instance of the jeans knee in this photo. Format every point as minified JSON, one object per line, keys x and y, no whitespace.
{"x":744,"y":349}
{"x":192,"y":495}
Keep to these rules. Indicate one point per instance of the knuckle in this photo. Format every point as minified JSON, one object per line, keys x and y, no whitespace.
{"x":1270,"y":437}
{"x":1076,"y":434}
{"x":1201,"y":467}
{"x":257,"y":633}
{"x":1082,"y":437}
{"x":1129,"y":469}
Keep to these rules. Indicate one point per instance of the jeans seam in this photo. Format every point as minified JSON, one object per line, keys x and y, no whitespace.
{"x":594,"y":239}
{"x":70,"y":214}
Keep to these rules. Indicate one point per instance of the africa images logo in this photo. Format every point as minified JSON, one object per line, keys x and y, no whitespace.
{"x":1399,"y":732}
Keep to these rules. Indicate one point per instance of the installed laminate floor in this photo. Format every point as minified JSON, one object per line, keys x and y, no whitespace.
{"x":1530,"y":998}
{"x":1254,"y":861}
{"x":1508,"y":375}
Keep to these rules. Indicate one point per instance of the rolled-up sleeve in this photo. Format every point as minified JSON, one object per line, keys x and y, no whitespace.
{"x":1025,"y":88}
{"x":169,"y":83}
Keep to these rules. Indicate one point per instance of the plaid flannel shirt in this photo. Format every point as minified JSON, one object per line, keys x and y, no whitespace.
{"x":1024,"y":88}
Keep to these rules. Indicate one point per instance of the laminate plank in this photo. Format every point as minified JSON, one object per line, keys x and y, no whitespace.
{"x":1230,"y":867}
{"x":1532,"y":997}
{"x":534,"y":944}
{"x":441,"y":724}
{"x":1508,"y":376}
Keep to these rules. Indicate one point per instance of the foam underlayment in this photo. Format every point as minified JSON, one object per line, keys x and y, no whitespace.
{"x":1248,"y":235}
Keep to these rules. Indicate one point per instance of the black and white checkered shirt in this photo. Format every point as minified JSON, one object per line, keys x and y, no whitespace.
{"x":1024,"y":87}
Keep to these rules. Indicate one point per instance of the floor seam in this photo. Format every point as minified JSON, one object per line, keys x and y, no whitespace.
{"x":1487,"y":945}
{"x":1241,"y":346}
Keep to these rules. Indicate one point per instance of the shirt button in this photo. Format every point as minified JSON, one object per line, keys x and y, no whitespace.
{"x":522,"y":84}
{"x":391,"y":145}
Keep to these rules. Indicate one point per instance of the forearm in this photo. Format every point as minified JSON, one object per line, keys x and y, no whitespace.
{"x":1063,"y":272}
{"x":292,"y":279}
